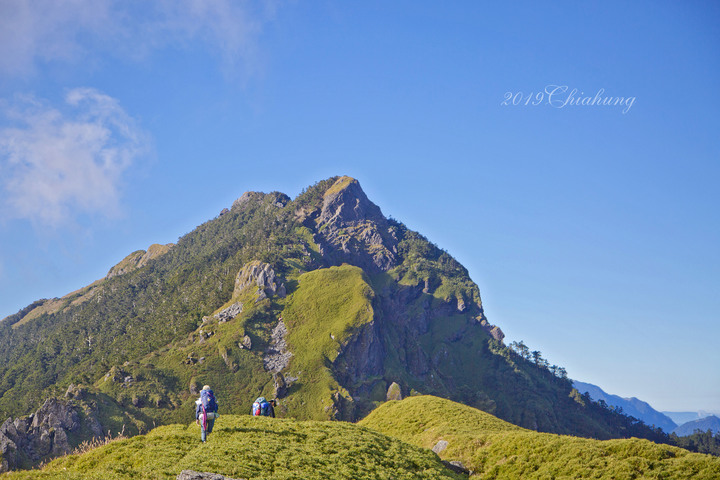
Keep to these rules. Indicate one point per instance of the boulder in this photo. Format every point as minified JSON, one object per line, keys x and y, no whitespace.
{"x":246,"y":343}
{"x":394,"y":392}
{"x":440,"y":446}
{"x":193,"y":475}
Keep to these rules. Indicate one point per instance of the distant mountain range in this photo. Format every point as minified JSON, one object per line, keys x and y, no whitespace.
{"x":630,"y":406}
{"x":685,"y":417}
{"x":704,"y":424}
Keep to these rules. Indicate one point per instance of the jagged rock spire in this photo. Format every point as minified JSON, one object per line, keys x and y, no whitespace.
{"x":352,"y":229}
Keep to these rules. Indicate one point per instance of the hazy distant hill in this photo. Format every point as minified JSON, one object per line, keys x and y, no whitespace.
{"x":630,"y":406}
{"x":684,"y":417}
{"x":711,"y":423}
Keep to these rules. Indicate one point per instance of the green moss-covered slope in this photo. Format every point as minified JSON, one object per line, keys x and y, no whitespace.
{"x":495,"y":449}
{"x":248,"y":447}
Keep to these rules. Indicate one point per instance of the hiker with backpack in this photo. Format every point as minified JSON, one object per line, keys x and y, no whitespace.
{"x":261,"y":407}
{"x":206,"y":408}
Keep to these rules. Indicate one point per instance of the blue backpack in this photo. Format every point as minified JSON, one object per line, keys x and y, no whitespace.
{"x":261,"y":407}
{"x":207,"y":398}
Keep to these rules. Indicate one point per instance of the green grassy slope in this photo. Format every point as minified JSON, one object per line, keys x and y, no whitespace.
{"x":325,"y":308}
{"x":492,"y":448}
{"x":329,"y":305}
{"x":249,"y":447}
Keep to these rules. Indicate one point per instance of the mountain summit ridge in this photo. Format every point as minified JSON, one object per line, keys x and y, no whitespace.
{"x":339,"y":305}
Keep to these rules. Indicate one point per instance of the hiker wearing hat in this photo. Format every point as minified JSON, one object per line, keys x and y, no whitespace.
{"x":206,"y":408}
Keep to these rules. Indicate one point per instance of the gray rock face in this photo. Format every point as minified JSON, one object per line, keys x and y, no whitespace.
{"x":259,"y":275}
{"x":8,"y":448}
{"x":43,"y":434}
{"x":351,"y":229}
{"x":362,"y":357}
{"x":277,"y":356}
{"x":492,"y":330}
{"x":194,"y":387}
{"x":404,"y":315}
{"x":230,"y":313}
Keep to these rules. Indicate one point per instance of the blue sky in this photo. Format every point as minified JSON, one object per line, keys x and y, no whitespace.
{"x":592,"y":230}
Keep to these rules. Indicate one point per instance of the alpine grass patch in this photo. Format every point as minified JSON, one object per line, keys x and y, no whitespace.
{"x":252,"y":447}
{"x":495,"y":449}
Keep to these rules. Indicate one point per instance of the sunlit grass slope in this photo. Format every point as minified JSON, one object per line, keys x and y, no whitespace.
{"x":493,"y":448}
{"x":257,"y":448}
{"x":329,"y":305}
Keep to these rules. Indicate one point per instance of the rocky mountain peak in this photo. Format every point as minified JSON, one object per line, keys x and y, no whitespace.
{"x":352,"y":229}
{"x":345,"y":203}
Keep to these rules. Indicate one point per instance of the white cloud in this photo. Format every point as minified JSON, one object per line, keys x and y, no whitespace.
{"x":57,"y":163}
{"x":38,"y":31}
{"x":46,"y":30}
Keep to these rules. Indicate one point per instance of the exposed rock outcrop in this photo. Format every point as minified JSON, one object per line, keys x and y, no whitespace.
{"x":276,"y":199}
{"x":492,"y":330}
{"x":351,"y":229}
{"x":257,"y":274}
{"x":361,"y":358}
{"x":230,"y":312}
{"x":277,"y":356}
{"x":246,"y":343}
{"x":44,"y":434}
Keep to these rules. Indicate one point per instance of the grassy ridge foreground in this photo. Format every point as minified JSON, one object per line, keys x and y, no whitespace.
{"x":253,"y":448}
{"x":492,"y":448}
